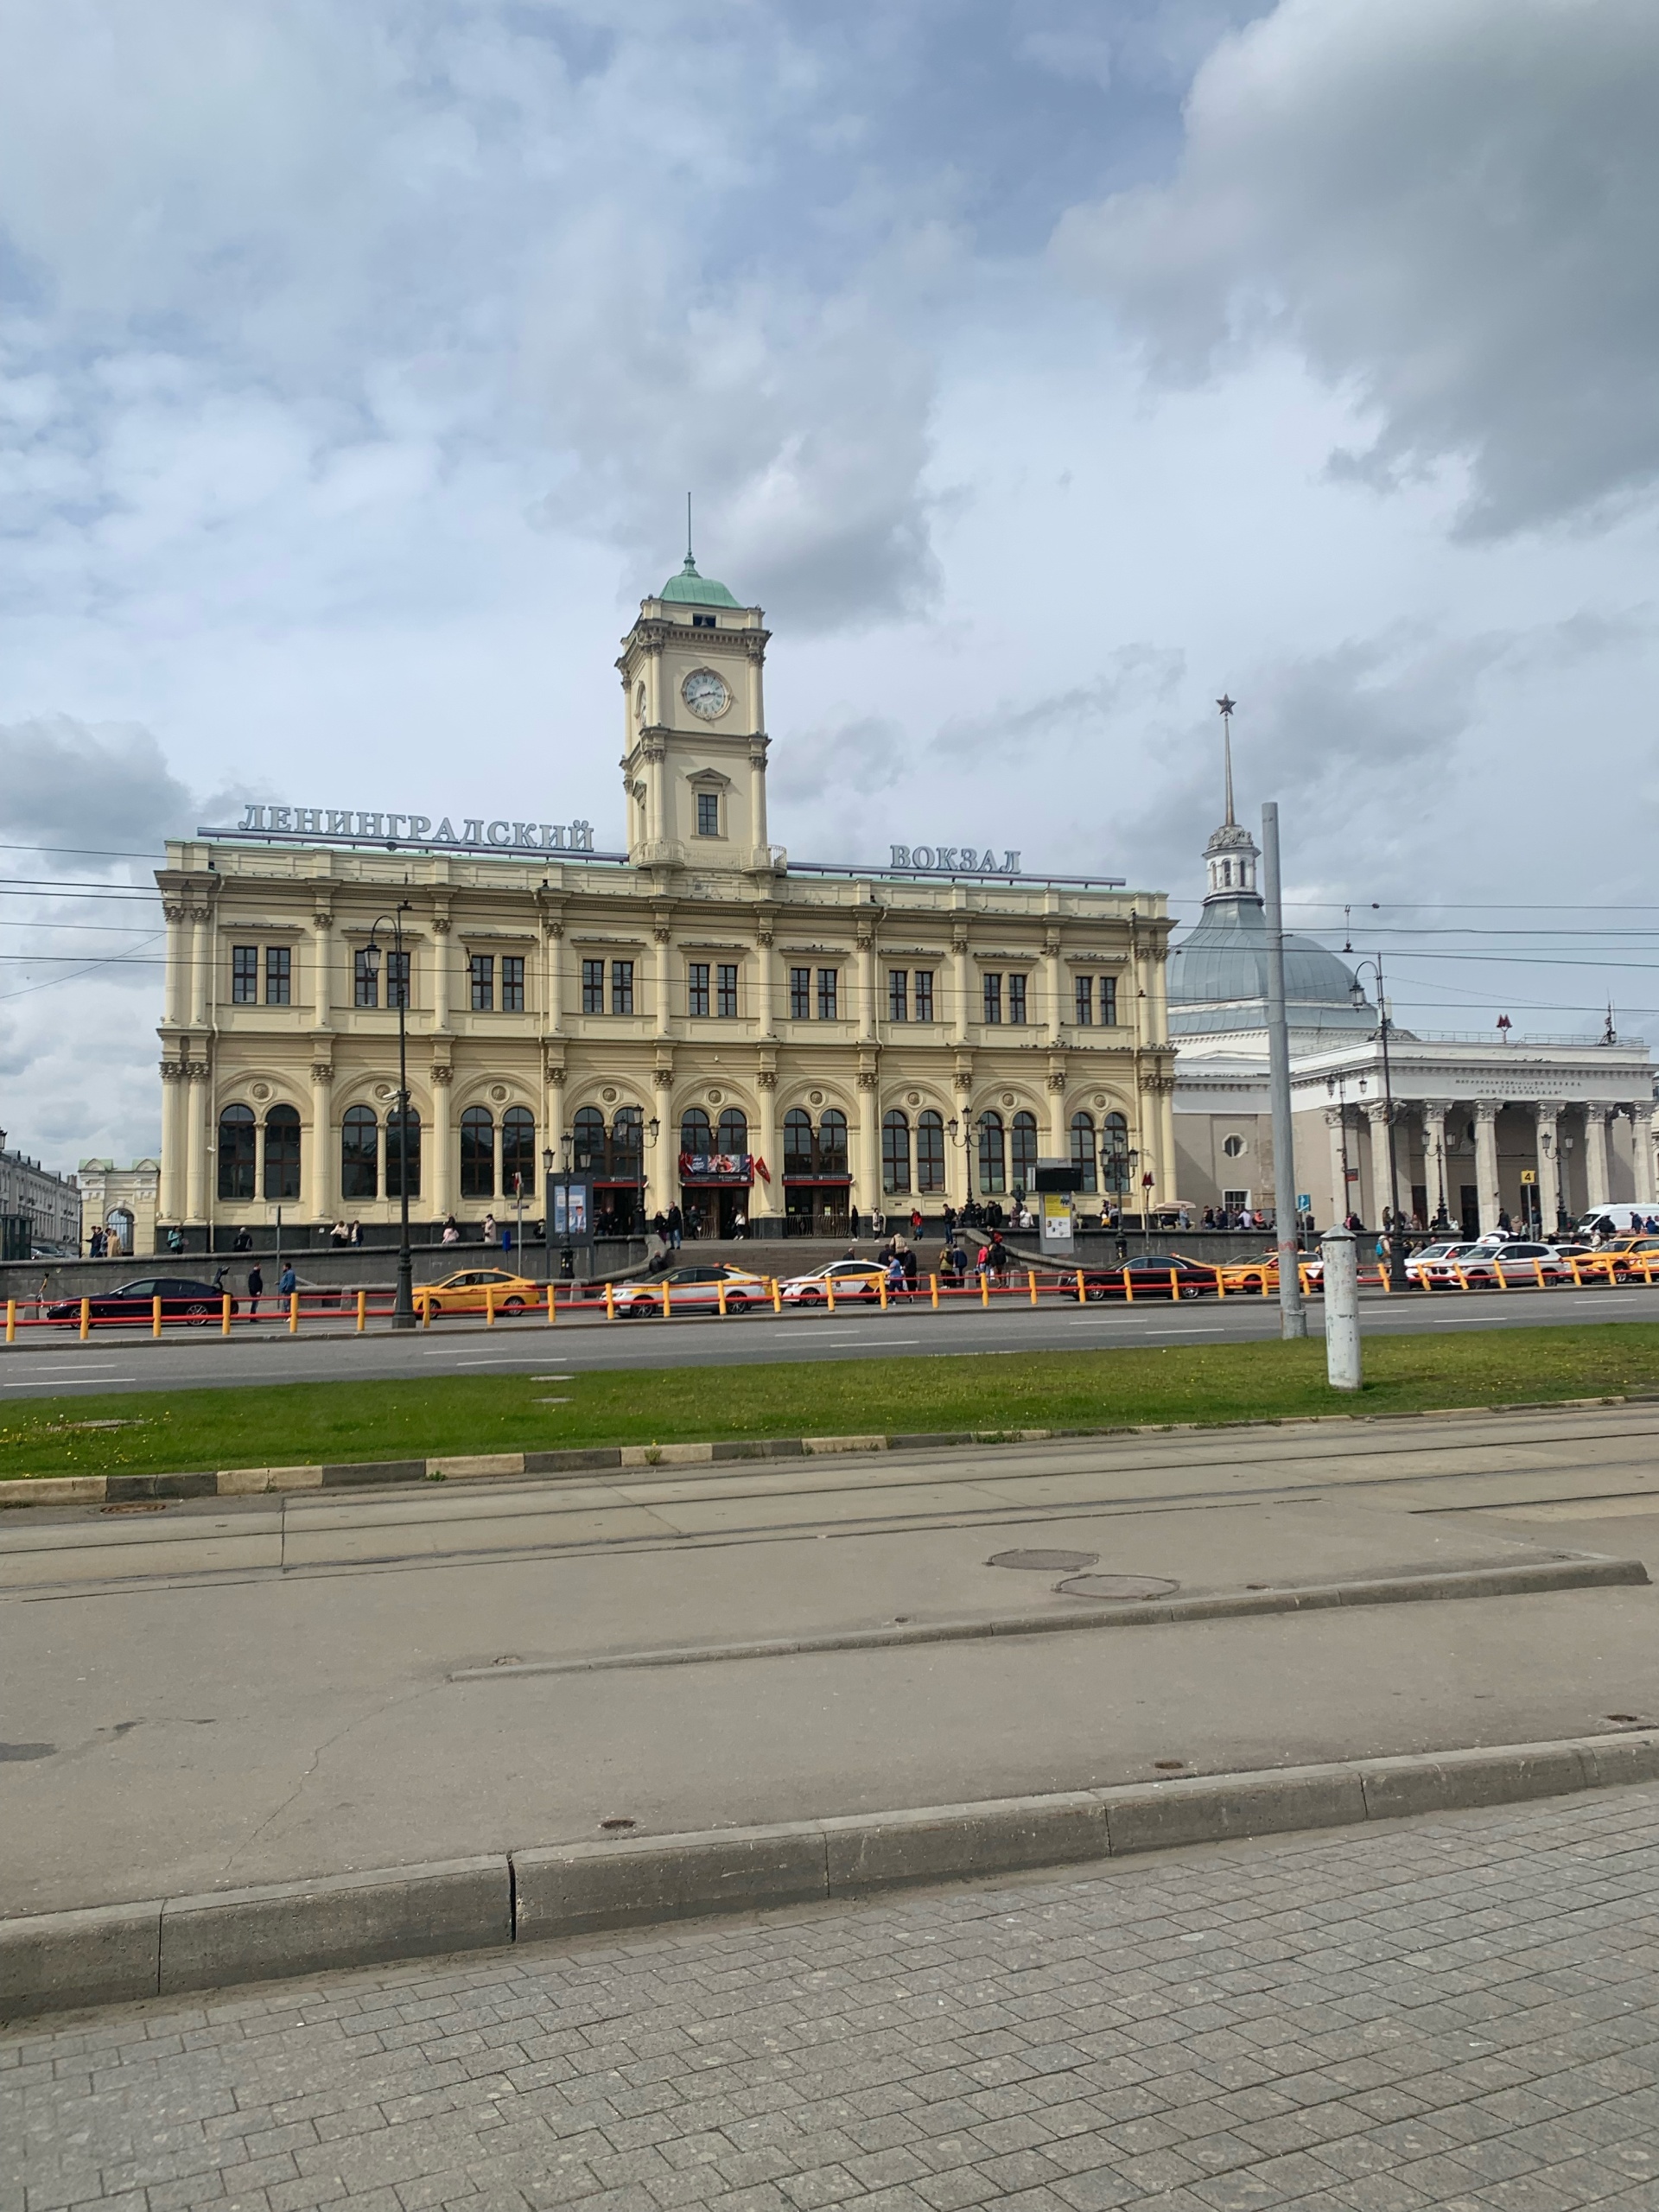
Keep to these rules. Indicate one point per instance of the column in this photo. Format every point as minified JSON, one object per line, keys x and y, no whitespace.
{"x":1059,"y":1134}
{"x":1166,"y":1103}
{"x":319,"y":1155}
{"x":176,"y":991}
{"x":440,"y":974}
{"x":196,"y":1106}
{"x":964,"y":1007}
{"x":174,"y":1184}
{"x":758,"y":796}
{"x":323,"y":954}
{"x":1341,"y":1206}
{"x":1595,"y":1154}
{"x":553,"y":977}
{"x":763,"y":1024}
{"x":1642,"y":1138}
{"x":200,"y":960}
{"x":1377,"y":1117}
{"x":1549,"y":1187}
{"x":866,"y":1183}
{"x":662,"y":938}
{"x":438,"y":1164}
{"x":662,"y":1159}
{"x":1056,"y":985}
{"x":866,"y":986}
{"x":767,"y":1199}
{"x":1492,"y":1199}
{"x":1435,"y":1195}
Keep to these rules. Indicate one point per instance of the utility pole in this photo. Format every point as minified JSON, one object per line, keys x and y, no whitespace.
{"x":1293,"y":1318}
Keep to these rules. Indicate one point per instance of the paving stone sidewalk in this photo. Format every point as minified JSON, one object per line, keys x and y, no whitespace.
{"x":1462,"y":2012}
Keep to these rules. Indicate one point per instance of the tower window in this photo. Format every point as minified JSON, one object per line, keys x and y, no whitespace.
{"x":708,"y":814}
{"x":703,"y":622}
{"x":1226,"y":871}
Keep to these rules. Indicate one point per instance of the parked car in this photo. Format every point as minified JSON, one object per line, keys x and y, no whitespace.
{"x":1520,"y":1261}
{"x":1422,"y":1263}
{"x":182,"y":1300}
{"x":859,"y":1279}
{"x":1633,"y":1257}
{"x":469,"y":1291}
{"x":1156,"y":1274}
{"x":694,"y":1289}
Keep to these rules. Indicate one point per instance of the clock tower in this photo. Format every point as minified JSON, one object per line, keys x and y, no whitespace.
{"x":694,"y":764}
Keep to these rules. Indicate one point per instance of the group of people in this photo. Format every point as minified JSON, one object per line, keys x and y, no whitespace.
{"x":898,"y":1257}
{"x":104,"y":1244}
{"x":1245,"y":1218}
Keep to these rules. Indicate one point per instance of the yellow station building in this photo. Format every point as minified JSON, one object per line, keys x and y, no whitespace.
{"x":693,"y":1019}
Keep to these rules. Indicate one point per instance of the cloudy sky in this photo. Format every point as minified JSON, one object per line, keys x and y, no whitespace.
{"x":1043,"y":368}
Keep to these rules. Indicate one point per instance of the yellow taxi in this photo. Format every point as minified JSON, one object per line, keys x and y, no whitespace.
{"x":474,"y":1290}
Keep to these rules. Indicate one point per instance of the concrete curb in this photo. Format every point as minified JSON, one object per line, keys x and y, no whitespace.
{"x":1441,"y":1587}
{"x":250,"y":1482}
{"x":114,"y":1954}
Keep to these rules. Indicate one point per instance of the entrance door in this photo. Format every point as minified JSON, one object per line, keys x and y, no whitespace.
{"x":1469,"y":1203}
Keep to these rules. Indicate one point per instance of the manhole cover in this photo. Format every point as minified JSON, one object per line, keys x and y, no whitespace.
{"x":1045,"y":1562}
{"x":136,"y":1505}
{"x":1117,"y":1586}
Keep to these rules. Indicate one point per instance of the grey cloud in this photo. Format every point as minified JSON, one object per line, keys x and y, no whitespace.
{"x":1135,"y":677}
{"x":105,"y":787}
{"x":859,"y":758}
{"x":1446,"y":205}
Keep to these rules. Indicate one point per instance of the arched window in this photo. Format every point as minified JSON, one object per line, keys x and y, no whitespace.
{"x":798,"y":1141}
{"x":895,"y":1152}
{"x":993,"y":1165}
{"x":359,"y":1154}
{"x":588,"y":1153}
{"x":283,"y":1152}
{"x":696,"y":1133}
{"x":517,"y":1152}
{"x":628,"y":1145}
{"x":1115,"y":1154}
{"x":1025,"y":1151}
{"x":930,"y":1151}
{"x":401,"y":1140}
{"x":734,"y":1130}
{"x":236,"y":1142}
{"x":1082,"y":1149}
{"x":477,"y":1153}
{"x":832,"y":1141}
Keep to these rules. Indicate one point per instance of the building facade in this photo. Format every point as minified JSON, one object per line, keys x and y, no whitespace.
{"x":1539,"y":1130}
{"x":39,"y":1212}
{"x":122,"y":1201}
{"x":692,"y":1020}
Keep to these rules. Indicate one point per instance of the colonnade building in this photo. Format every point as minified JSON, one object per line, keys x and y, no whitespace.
{"x":690,"y":1018}
{"x":1541,"y":1129}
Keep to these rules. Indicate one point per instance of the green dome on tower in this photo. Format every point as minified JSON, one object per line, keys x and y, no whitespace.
{"x":689,"y":587}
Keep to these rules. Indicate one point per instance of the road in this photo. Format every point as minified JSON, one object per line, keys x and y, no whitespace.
{"x":188,"y":1359}
{"x":1459,"y":2011}
{"x":275,"y":1687}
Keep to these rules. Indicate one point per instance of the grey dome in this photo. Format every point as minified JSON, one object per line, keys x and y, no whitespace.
{"x":1218,"y":976}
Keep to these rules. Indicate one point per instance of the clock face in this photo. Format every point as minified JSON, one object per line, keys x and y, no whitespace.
{"x":705,"y":693}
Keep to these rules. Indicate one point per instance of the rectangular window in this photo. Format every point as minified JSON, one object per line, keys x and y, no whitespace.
{"x":1016,"y":998}
{"x":365,"y":980}
{"x":800,"y":994}
{"x":1236,"y":1201}
{"x":898,"y":995}
{"x":279,"y":974}
{"x":726,"y":991}
{"x":621,"y":987}
{"x":244,"y":975}
{"x":593,"y":987}
{"x":696,"y":989}
{"x":513,"y":982}
{"x":1083,"y":987}
{"x":991,"y":985}
{"x":925,"y":998}
{"x":1108,"y":1001}
{"x":708,"y":814}
{"x":398,"y":979}
{"x":704,"y":622}
{"x":828,"y":986}
{"x":483,"y":970}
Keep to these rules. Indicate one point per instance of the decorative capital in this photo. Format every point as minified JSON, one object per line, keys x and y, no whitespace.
{"x":322,"y":1073}
{"x":867,"y":1078}
{"x":172,"y":1071}
{"x":767,"y":1080}
{"x":663,"y":1077}
{"x":553,"y":931}
{"x":660,"y":937}
{"x":175,"y":913}
{"x":1057,"y":1080}
{"x":201,"y":913}
{"x":1153,"y":1083}
{"x":320,"y":920}
{"x":764,"y":939}
{"x":1336,"y":1118}
{"x":443,"y":1072}
{"x":197,"y":1070}
{"x":1486,"y":1111}
{"x":963,"y":1080}
{"x":439,"y":925}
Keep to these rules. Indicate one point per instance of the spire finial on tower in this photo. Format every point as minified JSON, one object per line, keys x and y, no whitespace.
{"x":690,"y":565}
{"x":1227,"y":706}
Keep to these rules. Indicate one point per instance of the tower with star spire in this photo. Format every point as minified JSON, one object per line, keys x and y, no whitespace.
{"x":1230,"y":856}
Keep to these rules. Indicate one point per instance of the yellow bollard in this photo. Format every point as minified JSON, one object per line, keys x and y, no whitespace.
{"x":11,"y":1320}
{"x":719,"y":1296}
{"x":1174,"y":1287}
{"x":426,"y":1312}
{"x":552,"y":1306}
{"x":362,"y":1310}
{"x":1573,"y":1263}
{"x":489,"y":1305}
{"x":1463,"y":1279}
{"x":1497,"y":1269}
{"x":1083,"y":1295}
{"x":86,"y":1319}
{"x":610,"y":1301}
{"x":154,"y":1317}
{"x":1221,"y":1282}
{"x":1128,"y":1289}
{"x":829,"y":1286}
{"x":933,"y":1291}
{"x":1031,"y":1277}
{"x":777,"y":1296}
{"x":985,"y":1287}
{"x":881,"y":1292}
{"x":1538,"y":1270}
{"x":225,"y":1317}
{"x":668,"y":1301}
{"x":292,"y":1312}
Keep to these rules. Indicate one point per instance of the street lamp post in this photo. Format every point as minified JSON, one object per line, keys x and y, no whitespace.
{"x":1398,"y":1279}
{"x":966,"y":1127}
{"x":403,"y":1312}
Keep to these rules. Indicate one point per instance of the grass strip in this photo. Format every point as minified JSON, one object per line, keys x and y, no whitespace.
{"x":183,"y":1432}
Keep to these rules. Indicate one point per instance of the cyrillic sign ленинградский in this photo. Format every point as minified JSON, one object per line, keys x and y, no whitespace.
{"x":418,"y":830}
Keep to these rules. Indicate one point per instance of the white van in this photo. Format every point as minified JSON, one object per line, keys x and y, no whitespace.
{"x":1615,"y":1220}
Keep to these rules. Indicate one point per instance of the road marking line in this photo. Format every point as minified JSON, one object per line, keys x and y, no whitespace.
{"x":99,"y":1379}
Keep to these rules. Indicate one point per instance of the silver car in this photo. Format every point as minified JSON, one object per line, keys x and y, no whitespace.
{"x":694,"y":1289}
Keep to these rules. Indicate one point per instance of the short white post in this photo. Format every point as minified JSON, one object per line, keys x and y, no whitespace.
{"x":1341,"y":1310}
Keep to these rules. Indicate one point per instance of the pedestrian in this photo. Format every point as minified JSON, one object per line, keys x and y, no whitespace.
{"x":489,"y":1229}
{"x":739,"y":1226}
{"x":895,"y":1276}
{"x":676,"y":1227}
{"x":907,"y":1261}
{"x":243,"y":1241}
{"x":256,"y":1291}
{"x":95,"y":1245}
{"x":950,"y":1223}
{"x":999,"y":1255}
{"x":176,"y":1240}
{"x":451,"y":1230}
{"x":357,"y":1232}
{"x":915,"y":1221}
{"x":287,"y":1282}
{"x":339,"y":1236}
